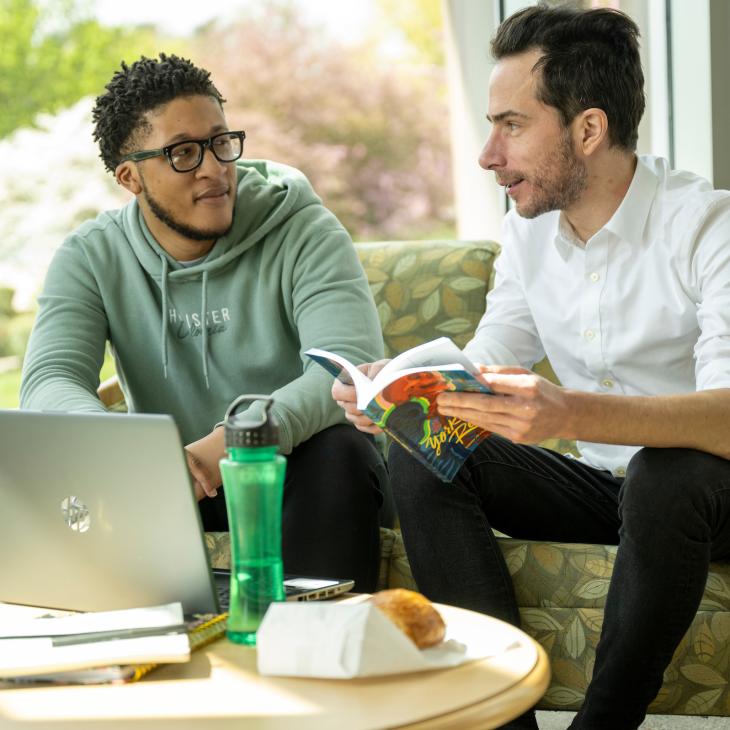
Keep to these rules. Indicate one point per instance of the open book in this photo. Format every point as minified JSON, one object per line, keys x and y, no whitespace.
{"x":401,"y":399}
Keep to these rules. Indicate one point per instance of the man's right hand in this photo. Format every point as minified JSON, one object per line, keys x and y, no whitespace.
{"x":347,"y":399}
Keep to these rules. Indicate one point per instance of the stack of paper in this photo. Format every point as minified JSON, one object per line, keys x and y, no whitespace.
{"x":41,"y":648}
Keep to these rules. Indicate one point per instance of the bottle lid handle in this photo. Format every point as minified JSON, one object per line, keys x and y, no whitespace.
{"x":268,"y":400}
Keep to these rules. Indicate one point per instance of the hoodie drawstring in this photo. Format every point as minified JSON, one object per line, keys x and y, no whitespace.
{"x":204,"y":325}
{"x":164,"y":315}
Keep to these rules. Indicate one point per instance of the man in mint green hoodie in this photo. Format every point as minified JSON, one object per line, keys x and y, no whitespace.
{"x":211,"y":283}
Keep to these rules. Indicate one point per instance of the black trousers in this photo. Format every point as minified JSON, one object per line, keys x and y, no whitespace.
{"x":333,"y":493}
{"x":670,"y":517}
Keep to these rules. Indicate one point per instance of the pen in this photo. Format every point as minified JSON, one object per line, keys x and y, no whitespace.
{"x":89,"y":637}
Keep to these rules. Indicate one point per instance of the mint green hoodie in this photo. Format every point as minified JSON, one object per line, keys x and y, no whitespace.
{"x":187,"y":341}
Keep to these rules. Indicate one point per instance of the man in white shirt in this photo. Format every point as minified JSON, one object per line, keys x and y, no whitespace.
{"x":618,"y":270}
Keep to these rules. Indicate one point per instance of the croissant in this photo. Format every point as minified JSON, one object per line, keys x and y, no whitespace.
{"x":413,"y":614}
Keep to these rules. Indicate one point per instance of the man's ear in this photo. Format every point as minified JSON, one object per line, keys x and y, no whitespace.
{"x":591,"y":130}
{"x":128,"y":177}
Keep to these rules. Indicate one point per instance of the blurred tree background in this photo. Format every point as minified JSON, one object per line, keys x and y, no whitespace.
{"x":54,"y":53}
{"x":365,"y":120}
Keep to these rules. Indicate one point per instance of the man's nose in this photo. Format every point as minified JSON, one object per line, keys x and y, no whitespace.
{"x":211,"y":165}
{"x":492,"y":154}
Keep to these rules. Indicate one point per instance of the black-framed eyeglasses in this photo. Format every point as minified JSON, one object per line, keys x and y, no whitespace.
{"x":187,"y":156}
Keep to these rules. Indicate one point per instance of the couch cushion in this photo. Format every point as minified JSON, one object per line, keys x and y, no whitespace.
{"x":694,"y":683}
{"x":547,"y":574}
{"x":429,"y":289}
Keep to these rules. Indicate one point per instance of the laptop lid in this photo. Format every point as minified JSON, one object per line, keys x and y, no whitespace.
{"x":98,"y":513}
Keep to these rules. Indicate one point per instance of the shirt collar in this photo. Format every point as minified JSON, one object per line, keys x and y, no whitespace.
{"x":629,"y":220}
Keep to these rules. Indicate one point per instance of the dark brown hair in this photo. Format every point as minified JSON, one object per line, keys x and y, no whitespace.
{"x":590,"y":58}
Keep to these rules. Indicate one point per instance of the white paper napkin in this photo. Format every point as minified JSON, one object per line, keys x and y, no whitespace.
{"x":340,"y":641}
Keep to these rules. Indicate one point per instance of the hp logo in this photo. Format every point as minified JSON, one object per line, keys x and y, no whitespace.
{"x":75,"y":514}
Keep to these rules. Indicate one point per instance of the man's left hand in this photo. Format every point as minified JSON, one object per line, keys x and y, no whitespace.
{"x":203,"y":457}
{"x":525,"y":407}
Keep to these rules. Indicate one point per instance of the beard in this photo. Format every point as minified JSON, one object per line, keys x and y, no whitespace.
{"x":558,"y":181}
{"x":189,"y":232}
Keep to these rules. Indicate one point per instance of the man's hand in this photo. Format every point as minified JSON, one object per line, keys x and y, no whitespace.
{"x":526,"y":408}
{"x":203,"y":457}
{"x":346,"y":398}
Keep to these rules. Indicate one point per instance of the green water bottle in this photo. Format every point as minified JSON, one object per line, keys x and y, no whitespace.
{"x":253,"y":479}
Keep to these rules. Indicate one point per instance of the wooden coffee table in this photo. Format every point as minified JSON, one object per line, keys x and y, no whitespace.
{"x":220,"y":688}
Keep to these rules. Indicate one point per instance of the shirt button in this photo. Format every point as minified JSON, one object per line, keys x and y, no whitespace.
{"x":620,"y":472}
{"x":595,"y":276}
{"x":589,"y":334}
{"x":607,"y":383}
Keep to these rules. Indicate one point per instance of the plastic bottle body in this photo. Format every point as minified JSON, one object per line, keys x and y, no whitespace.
{"x":253,"y":479}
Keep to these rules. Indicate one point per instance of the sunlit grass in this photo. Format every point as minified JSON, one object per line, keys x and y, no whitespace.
{"x":9,"y":388}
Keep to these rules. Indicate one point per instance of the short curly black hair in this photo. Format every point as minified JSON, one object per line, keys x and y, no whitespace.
{"x":119,"y":114}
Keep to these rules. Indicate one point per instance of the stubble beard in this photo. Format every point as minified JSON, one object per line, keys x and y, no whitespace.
{"x":558,"y":182}
{"x":189,"y":232}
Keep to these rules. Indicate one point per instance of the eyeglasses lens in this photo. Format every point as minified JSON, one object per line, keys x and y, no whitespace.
{"x":187,"y":156}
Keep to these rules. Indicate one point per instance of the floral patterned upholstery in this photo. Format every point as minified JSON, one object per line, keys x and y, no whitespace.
{"x":427,"y":289}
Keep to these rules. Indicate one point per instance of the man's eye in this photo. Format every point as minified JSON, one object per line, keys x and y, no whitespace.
{"x":512,"y":126}
{"x":184,"y":151}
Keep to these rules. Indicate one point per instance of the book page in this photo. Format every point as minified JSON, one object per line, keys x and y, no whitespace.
{"x":441,"y":351}
{"x":379,"y":383}
{"x":341,"y":368}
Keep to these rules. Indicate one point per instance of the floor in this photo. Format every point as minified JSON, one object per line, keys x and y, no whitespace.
{"x":560,"y":720}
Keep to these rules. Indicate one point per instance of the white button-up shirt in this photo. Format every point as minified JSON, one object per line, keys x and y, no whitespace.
{"x":643,"y":308}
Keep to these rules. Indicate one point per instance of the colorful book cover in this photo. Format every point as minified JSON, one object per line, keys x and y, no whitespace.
{"x":405,"y":408}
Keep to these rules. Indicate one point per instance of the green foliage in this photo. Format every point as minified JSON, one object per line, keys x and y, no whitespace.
{"x":53,"y":54}
{"x":14,"y":334}
{"x":6,"y":301}
{"x":10,"y":389}
{"x":420,"y":23}
{"x":10,"y":383}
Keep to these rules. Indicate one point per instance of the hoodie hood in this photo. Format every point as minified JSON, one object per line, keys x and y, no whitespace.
{"x":268,"y":193}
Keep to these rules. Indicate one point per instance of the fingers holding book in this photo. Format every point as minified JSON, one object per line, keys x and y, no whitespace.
{"x":527,"y":407}
{"x":343,"y":392}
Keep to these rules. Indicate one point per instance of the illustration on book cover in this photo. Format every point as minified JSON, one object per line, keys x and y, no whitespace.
{"x":401,"y":400}
{"x":407,"y":410}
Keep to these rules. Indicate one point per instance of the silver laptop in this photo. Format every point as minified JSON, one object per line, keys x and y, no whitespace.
{"x":98,"y":513}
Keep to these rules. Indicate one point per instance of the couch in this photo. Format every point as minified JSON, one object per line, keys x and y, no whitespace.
{"x":425,"y":290}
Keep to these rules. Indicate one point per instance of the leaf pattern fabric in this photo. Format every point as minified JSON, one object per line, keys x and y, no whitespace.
{"x":427,"y":289}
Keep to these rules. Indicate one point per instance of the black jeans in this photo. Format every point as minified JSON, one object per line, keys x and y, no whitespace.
{"x":333,"y":492}
{"x":670,"y":516}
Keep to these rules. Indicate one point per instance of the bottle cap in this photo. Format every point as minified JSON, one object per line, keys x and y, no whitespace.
{"x":254,"y":427}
